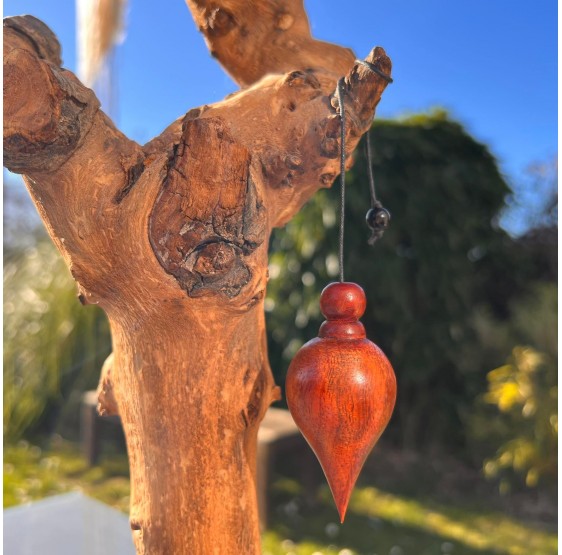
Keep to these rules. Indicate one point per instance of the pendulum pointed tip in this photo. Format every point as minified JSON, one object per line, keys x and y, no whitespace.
{"x":342,"y":510}
{"x":341,"y":497}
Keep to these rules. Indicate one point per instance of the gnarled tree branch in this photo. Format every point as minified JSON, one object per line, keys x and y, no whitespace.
{"x":252,"y":39}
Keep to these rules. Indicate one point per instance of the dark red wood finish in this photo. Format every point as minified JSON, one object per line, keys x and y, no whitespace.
{"x":341,"y":390}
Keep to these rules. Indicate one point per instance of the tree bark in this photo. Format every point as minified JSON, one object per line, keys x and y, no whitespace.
{"x":171,"y":238}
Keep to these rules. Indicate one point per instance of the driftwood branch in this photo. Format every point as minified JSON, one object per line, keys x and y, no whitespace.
{"x":170,"y":239}
{"x":252,"y":39}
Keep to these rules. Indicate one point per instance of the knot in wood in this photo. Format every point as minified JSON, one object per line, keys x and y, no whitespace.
{"x":284,"y":21}
{"x":304,"y":78}
{"x":219,"y":22}
{"x":208,"y":217}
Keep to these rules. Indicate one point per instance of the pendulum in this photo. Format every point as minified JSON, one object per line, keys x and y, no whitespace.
{"x":340,"y":386}
{"x":341,"y":390}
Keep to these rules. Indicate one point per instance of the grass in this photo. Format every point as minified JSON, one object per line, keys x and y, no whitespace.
{"x":384,"y":523}
{"x":378,"y":522}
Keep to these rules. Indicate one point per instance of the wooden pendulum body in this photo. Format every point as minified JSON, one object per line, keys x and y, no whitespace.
{"x":341,"y":390}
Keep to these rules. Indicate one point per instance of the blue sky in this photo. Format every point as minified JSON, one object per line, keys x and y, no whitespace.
{"x":491,"y":63}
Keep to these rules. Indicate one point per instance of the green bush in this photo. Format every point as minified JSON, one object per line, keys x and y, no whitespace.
{"x":515,"y":426}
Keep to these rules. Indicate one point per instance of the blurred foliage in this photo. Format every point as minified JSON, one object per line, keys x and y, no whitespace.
{"x":514,"y":425}
{"x":31,"y":473}
{"x":525,"y":392}
{"x":522,"y":419}
{"x":53,"y":348}
{"x":443,"y":259}
{"x":377,"y":521}
{"x":534,"y":202}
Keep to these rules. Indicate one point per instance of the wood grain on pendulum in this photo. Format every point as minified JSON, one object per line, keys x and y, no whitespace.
{"x":341,"y":390}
